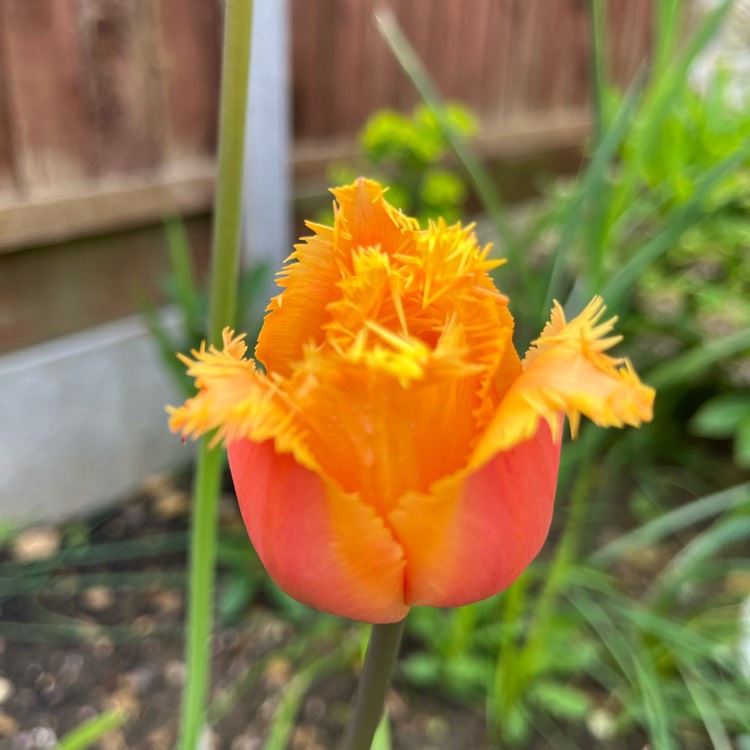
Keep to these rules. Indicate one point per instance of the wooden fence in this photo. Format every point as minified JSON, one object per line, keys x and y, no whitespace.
{"x":512,"y":60}
{"x":108,"y":107}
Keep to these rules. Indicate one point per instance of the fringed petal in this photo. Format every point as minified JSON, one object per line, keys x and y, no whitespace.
{"x":237,"y":401}
{"x":568,"y":372}
{"x":297,"y":315}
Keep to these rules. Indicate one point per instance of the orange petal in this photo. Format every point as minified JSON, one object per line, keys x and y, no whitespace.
{"x":388,"y":419}
{"x":476,"y":533}
{"x":568,"y":372}
{"x":366,"y":219}
{"x":325,"y":548}
{"x":296,"y":316}
{"x":237,"y":401}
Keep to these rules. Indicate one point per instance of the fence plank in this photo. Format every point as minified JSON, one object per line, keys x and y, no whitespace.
{"x":189,"y":37}
{"x":7,"y":159}
{"x":124,"y":91}
{"x":497,"y":60}
{"x":48,"y":121}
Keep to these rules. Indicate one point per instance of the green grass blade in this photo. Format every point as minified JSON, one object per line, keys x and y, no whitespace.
{"x":697,"y":361}
{"x":667,"y":25}
{"x":482,"y":182}
{"x":382,"y":739}
{"x":93,"y":730}
{"x":186,"y":290}
{"x":96,"y":554}
{"x":715,"y":539}
{"x":666,"y":87}
{"x":708,"y":712}
{"x":167,"y":347}
{"x":593,"y":179}
{"x":638,"y":671}
{"x":677,"y":222}
{"x":282,"y":726}
{"x":673,"y":522}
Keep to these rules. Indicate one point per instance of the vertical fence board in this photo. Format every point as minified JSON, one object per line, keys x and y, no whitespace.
{"x":629,"y":38}
{"x":475,"y":38}
{"x":382,"y":74}
{"x":123,"y":84}
{"x":7,"y":160}
{"x":580,"y":80}
{"x":349,"y":30}
{"x":496,"y":66}
{"x":549,"y":58}
{"x":189,"y":37}
{"x":48,"y":122}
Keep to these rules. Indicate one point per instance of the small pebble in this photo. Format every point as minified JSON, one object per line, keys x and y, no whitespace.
{"x":6,"y":689}
{"x":98,"y":598}
{"x":305,"y":738}
{"x":168,"y":602}
{"x":8,"y":726}
{"x":44,"y":738}
{"x":158,"y":484}
{"x":23,"y":741}
{"x":171,"y":506}
{"x":246,"y":742}
{"x":315,"y":709}
{"x":174,"y":673}
{"x":602,"y":724}
{"x":278,"y":672}
{"x":159,"y":739}
{"x":36,"y":544}
{"x":71,"y":668}
{"x":207,"y":740}
{"x":103,"y":647}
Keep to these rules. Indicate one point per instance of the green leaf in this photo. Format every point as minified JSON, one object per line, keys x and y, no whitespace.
{"x":742,"y":443}
{"x":422,"y":668}
{"x":562,"y":701}
{"x":721,"y":416}
{"x":93,"y":730}
{"x":382,"y":738}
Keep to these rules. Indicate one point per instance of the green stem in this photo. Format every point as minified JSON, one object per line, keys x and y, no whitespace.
{"x":373,"y":685}
{"x":225,"y":259}
{"x":238,"y":18}
{"x":200,"y":593}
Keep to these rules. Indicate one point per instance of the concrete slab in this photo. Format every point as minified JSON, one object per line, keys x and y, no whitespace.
{"x":82,"y":421}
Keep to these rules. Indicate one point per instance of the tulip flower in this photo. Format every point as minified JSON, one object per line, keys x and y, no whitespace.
{"x":397,"y":451}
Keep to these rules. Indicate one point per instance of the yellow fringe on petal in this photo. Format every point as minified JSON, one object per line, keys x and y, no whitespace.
{"x":567,"y":371}
{"x":237,"y":401}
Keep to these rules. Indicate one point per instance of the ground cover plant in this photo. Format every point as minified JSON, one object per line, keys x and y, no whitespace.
{"x":628,"y":630}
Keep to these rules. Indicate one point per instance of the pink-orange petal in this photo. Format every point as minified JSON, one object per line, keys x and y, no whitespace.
{"x":321,"y":546}
{"x":475,"y":534}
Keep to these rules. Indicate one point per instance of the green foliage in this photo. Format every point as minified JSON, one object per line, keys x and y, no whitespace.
{"x":90,"y":732}
{"x":182,"y":290}
{"x":727,"y":416}
{"x":407,"y":153}
{"x":644,"y":628}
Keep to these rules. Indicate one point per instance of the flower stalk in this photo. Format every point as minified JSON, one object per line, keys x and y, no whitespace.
{"x":224,"y":267}
{"x":380,"y":660}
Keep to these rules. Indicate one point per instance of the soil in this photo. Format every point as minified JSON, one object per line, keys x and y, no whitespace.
{"x":91,"y":618}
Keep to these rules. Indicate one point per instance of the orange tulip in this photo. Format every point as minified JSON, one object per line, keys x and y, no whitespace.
{"x":397,"y":451}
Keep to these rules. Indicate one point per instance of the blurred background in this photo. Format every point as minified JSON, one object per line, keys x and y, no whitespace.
{"x":601,"y":146}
